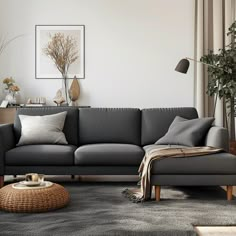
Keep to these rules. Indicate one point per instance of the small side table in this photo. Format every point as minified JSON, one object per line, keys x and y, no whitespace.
{"x":33,"y":200}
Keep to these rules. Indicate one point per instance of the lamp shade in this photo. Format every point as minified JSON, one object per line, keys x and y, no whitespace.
{"x":182,"y":66}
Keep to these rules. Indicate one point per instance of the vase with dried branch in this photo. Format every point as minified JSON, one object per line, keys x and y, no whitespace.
{"x":62,"y":50}
{"x":11,"y":89}
{"x":4,"y":42}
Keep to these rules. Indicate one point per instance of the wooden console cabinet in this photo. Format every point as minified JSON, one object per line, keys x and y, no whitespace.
{"x":7,"y":115}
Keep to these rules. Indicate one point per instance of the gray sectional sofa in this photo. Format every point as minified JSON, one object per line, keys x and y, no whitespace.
{"x":112,"y":141}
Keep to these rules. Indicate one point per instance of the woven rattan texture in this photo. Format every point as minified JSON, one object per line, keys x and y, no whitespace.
{"x":33,"y":200}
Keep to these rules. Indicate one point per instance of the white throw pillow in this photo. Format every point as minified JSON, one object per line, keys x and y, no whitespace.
{"x":42,"y":129}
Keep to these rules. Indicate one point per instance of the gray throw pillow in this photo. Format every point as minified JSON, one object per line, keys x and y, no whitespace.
{"x":187,"y":132}
{"x":42,"y":129}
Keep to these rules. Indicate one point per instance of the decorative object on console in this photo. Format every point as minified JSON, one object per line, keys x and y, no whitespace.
{"x":59,"y":99}
{"x":4,"y":104}
{"x":222,"y":71}
{"x":11,"y":89}
{"x":74,"y":91}
{"x":28,"y":101}
{"x":64,"y":45}
{"x":36,"y":102}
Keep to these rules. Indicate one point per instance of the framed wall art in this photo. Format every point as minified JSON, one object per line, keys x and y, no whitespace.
{"x":59,"y":51}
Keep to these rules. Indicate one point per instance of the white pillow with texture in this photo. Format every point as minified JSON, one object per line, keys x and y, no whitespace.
{"x":42,"y":129}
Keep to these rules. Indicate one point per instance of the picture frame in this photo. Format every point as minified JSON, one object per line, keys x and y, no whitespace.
{"x":44,"y":65}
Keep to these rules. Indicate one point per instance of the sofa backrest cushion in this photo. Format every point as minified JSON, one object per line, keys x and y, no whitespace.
{"x":71,"y":123}
{"x":110,"y":125}
{"x":156,"y":121}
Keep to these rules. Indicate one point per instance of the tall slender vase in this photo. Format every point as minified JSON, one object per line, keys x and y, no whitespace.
{"x":74,"y":92}
{"x":65,"y":89}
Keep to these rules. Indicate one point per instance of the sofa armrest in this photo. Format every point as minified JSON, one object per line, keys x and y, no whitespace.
{"x":218,"y":137}
{"x":7,"y":142}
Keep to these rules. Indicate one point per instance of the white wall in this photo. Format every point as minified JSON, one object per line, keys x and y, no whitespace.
{"x":132,"y":48}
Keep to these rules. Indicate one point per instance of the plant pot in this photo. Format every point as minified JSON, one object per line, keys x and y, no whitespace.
{"x":232,"y":148}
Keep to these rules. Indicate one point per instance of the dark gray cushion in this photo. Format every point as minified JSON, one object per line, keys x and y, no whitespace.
{"x":109,"y":154}
{"x":220,"y":163}
{"x":187,"y":132}
{"x":41,"y":155}
{"x":71,"y":123}
{"x":156,"y":122}
{"x":109,"y":125}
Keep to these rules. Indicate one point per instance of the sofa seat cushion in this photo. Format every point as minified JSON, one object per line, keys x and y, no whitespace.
{"x":219,"y":163}
{"x":109,"y":155}
{"x":41,"y":155}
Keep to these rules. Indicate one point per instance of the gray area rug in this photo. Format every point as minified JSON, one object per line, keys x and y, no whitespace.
{"x":100,"y":209}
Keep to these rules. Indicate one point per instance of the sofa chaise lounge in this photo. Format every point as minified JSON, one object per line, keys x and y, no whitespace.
{"x":113,"y":141}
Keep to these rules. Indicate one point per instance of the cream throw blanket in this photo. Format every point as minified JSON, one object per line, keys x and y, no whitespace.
{"x":144,"y":192}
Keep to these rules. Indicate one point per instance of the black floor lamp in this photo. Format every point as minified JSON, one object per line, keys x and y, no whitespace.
{"x":183,"y":66}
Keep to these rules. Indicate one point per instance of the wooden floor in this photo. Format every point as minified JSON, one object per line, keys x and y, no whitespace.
{"x":201,"y":230}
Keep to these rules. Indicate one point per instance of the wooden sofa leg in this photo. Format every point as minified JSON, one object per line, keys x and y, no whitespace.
{"x":1,"y":181}
{"x":229,"y":193}
{"x":158,"y":193}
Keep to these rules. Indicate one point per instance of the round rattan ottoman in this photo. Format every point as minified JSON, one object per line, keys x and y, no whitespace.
{"x":33,"y":200}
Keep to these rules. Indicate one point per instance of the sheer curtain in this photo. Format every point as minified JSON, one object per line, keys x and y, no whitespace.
{"x":212,"y":20}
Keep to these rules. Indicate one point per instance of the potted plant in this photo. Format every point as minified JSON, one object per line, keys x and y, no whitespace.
{"x":222,"y":73}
